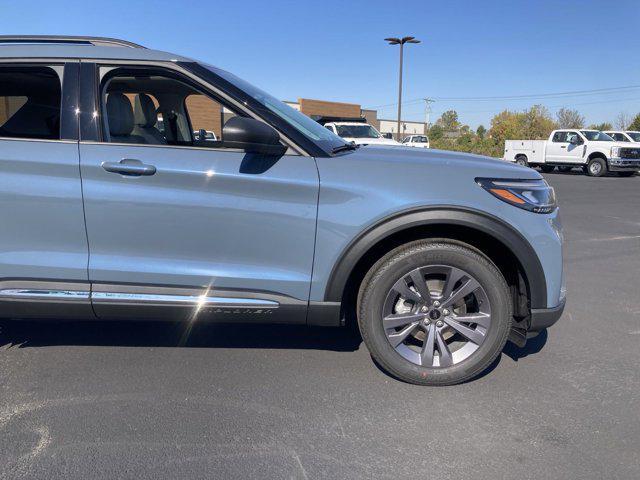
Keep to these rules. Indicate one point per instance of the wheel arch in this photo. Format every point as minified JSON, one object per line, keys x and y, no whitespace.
{"x":597,"y":154}
{"x":490,"y":235}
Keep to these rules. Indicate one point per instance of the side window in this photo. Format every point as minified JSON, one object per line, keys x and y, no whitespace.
{"x":206,"y":117}
{"x":573,"y":135}
{"x":30,"y":103}
{"x":559,"y":137}
{"x":157,"y":107}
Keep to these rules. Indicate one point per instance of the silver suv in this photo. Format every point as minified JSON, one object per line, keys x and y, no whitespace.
{"x":115,"y":205}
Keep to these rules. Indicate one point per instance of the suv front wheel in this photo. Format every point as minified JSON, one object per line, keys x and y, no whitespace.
{"x":434,"y":312}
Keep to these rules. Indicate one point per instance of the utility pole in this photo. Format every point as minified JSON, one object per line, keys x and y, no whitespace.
{"x":427,"y":111}
{"x":401,"y":42}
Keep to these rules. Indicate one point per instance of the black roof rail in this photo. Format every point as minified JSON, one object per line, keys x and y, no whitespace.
{"x":95,"y":41}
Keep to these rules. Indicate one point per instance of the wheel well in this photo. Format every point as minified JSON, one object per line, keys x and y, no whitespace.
{"x":521,"y":155}
{"x":597,"y":155}
{"x":496,"y":251}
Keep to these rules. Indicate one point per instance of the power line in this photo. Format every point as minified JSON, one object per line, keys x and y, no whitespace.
{"x":574,"y":93}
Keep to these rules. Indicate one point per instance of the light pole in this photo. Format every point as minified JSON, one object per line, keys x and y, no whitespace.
{"x":401,"y":42}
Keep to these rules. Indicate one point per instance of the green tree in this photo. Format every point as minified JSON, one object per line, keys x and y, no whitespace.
{"x":481,"y":131}
{"x":601,"y":126}
{"x":449,"y":121}
{"x":635,"y":124}
{"x":436,"y":132}
{"x":568,"y":118}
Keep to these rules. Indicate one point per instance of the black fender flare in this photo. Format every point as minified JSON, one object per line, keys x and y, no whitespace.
{"x":440,"y":215}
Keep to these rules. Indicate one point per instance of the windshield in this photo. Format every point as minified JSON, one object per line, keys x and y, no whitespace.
{"x":595,"y":136}
{"x":635,"y":136}
{"x":311,"y":129}
{"x":357,"y":131}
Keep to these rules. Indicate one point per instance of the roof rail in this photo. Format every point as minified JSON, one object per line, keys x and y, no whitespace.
{"x":95,"y":41}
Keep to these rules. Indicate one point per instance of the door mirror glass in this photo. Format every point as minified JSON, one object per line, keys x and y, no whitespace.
{"x":252,"y":136}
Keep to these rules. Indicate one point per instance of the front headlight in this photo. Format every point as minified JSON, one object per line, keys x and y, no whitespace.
{"x":532,"y":195}
{"x":615,"y":151}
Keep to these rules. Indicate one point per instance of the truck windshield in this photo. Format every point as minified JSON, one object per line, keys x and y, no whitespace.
{"x":595,"y":136}
{"x":635,"y":136}
{"x":305,"y":125}
{"x":357,"y":131}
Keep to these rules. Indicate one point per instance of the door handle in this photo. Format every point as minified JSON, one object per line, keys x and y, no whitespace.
{"x":129,"y":166}
{"x":563,"y":146}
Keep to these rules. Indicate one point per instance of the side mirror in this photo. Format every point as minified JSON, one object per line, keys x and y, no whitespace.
{"x":252,"y":136}
{"x":575,"y":140}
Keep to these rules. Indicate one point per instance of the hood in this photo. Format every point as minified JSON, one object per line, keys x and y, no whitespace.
{"x":615,"y":144}
{"x":373,"y":141}
{"x":444,"y":160}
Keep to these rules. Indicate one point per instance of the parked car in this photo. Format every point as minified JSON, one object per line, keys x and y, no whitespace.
{"x":595,"y":152}
{"x":420,"y":141}
{"x":439,"y":257}
{"x":624,"y":136}
{"x":360,"y":133}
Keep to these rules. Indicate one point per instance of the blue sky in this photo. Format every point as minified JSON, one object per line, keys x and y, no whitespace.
{"x":333,"y":50}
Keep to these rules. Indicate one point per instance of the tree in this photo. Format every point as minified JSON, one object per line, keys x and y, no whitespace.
{"x":601,"y":126}
{"x":533,"y":124}
{"x":622,"y":121}
{"x":436,"y":132}
{"x":635,"y":125}
{"x":481,"y":131}
{"x":449,"y":121}
{"x":568,"y":118}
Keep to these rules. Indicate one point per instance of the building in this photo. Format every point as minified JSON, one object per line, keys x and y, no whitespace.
{"x":323,"y":108}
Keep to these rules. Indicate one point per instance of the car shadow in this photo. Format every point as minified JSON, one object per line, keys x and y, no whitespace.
{"x":43,"y":333}
{"x":533,"y":346}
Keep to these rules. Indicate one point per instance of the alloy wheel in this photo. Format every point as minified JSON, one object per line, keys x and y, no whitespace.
{"x":436,"y":316}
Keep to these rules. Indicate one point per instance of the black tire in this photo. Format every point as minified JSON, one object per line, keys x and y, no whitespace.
{"x":547,"y":168}
{"x":597,"y":167}
{"x":565,"y":169}
{"x":396,"y":264}
{"x":626,"y":174}
{"x":522,"y":160}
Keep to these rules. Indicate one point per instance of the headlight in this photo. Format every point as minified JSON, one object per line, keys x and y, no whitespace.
{"x":533,"y":195}
{"x":615,"y":151}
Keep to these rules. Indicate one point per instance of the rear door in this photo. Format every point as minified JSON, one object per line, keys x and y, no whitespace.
{"x":206,"y":229}
{"x":43,"y":246}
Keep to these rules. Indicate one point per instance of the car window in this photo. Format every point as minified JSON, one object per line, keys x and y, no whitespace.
{"x":573,"y":135}
{"x":596,"y":136}
{"x":559,"y":137}
{"x":157,"y":107}
{"x":30,"y":103}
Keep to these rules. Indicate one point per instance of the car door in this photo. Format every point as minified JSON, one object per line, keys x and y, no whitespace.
{"x":43,"y":246}
{"x":206,"y":229}
{"x":574,"y":151}
{"x":557,"y":148}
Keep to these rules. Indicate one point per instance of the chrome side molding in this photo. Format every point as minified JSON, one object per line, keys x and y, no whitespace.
{"x":42,"y":294}
{"x":188,"y":300}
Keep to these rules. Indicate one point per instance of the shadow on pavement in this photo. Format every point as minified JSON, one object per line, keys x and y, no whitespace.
{"x":30,"y":333}
{"x":534,"y":345}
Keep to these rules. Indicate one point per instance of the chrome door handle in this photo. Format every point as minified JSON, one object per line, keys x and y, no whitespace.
{"x":129,"y":166}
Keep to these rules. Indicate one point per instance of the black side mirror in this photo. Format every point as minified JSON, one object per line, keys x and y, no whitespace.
{"x":252,"y":136}
{"x":575,"y":140}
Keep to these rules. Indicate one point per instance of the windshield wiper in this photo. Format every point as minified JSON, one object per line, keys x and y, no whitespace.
{"x":344,"y":148}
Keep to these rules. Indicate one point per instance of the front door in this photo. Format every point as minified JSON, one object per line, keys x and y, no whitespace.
{"x":177,"y":224}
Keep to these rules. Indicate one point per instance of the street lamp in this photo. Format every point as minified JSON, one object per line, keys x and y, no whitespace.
{"x":401,"y":42}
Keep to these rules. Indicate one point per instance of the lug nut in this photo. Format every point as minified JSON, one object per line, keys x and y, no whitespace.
{"x":427,"y":322}
{"x":445,"y":312}
{"x":424,"y":309}
{"x":439,"y":323}
{"x":436,"y":304}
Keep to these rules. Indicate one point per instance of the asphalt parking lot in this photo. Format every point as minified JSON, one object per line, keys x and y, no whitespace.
{"x":151,"y":400}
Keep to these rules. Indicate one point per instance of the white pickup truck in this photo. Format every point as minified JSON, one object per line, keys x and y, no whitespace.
{"x":596,"y":152}
{"x":360,"y":133}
